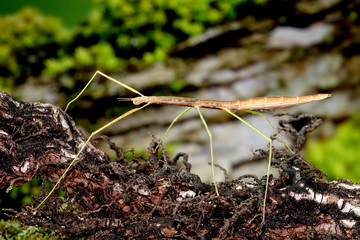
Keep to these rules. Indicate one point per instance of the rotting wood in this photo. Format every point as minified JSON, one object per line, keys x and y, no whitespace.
{"x":151,"y":198}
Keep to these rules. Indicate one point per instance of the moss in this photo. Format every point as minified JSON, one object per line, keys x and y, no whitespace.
{"x":12,"y":229}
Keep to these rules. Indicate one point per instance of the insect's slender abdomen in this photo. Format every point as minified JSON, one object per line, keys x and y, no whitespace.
{"x":276,"y":102}
{"x":249,"y":104}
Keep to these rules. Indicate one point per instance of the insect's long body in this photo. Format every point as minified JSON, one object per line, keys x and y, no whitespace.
{"x":249,"y":104}
{"x":227,"y":106}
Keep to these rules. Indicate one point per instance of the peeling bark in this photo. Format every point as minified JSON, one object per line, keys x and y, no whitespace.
{"x":152,"y":198}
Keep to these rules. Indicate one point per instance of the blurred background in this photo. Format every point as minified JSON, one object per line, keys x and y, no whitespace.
{"x":206,"y":49}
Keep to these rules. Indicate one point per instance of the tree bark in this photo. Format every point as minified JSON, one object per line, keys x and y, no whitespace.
{"x":152,"y":198}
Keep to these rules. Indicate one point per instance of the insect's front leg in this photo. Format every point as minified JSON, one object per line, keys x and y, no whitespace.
{"x":107,"y":77}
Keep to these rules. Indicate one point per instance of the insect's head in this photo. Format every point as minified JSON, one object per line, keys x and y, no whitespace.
{"x":139,"y":100}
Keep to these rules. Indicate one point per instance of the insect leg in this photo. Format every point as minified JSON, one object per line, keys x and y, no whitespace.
{"x":85,"y":144}
{"x":172,"y":123}
{"x":107,"y":77}
{"x":211,"y":150}
{"x":272,"y":126}
{"x":270,"y":155}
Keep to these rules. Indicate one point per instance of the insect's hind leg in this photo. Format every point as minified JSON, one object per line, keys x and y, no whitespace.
{"x":270,"y":156}
{"x":107,"y":77}
{"x":272,"y":126}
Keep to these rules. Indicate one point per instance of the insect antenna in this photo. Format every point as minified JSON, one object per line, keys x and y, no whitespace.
{"x":124,"y":99}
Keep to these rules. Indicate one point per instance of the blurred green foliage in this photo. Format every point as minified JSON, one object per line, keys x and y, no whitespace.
{"x":118,"y":34}
{"x":340,"y":155}
{"x":13,"y":230}
{"x":69,"y":11}
{"x":27,"y":190}
{"x":27,"y":39}
{"x":140,"y":32}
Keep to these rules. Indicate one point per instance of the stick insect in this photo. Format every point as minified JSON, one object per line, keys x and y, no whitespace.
{"x":248,"y":105}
